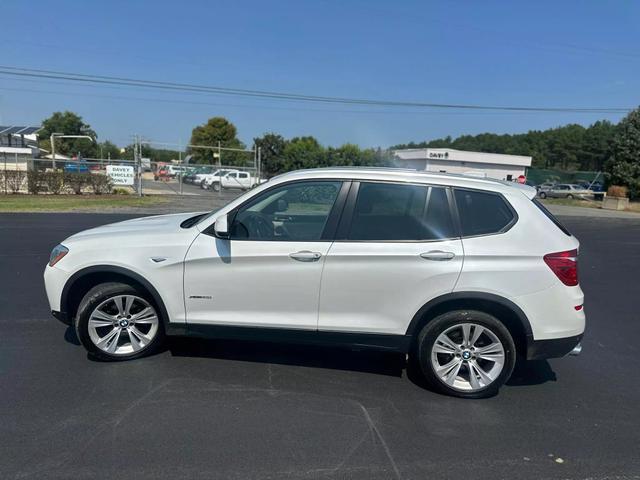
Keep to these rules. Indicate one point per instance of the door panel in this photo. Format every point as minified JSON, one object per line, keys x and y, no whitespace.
{"x":378,"y":287}
{"x":252,"y":283}
{"x":397,"y":248}
{"x":268,"y":273}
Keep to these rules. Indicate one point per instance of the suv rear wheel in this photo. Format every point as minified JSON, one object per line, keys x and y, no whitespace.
{"x":466,"y":353}
{"x":116,"y":321}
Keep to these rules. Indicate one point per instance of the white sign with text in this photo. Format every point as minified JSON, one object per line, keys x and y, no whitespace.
{"x":121,"y":175}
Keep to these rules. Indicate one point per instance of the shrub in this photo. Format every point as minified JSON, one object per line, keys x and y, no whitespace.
{"x":14,"y":180}
{"x":100,"y":183}
{"x":77,"y":181}
{"x":617,"y":191}
{"x":121,"y":191}
{"x":54,"y":181}
{"x":35,"y":180}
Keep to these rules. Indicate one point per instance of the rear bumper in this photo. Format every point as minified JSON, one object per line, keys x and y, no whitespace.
{"x":553,"y":348}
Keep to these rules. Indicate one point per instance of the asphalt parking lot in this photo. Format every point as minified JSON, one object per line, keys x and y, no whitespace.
{"x":236,"y":410}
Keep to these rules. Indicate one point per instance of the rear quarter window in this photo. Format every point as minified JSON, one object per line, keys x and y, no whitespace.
{"x":483,"y":213}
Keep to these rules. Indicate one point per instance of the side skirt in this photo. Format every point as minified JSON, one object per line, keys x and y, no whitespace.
{"x":394,"y":343}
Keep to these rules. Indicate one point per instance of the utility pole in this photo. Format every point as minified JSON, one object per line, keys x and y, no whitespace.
{"x":139,"y":167}
{"x":259,"y":163}
{"x":180,"y":163}
{"x":219,"y":166}
{"x":53,"y":149}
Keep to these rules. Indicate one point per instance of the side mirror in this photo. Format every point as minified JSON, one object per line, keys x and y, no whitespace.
{"x":221,"y":227}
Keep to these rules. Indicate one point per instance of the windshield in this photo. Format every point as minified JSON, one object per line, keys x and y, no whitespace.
{"x":242,"y":197}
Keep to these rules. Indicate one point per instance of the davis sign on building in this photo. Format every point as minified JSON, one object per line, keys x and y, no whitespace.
{"x":121,"y":175}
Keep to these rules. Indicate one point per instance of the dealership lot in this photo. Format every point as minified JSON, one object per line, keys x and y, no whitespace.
{"x":206,"y":409}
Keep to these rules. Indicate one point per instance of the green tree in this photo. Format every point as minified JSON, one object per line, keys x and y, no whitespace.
{"x":623,"y":168}
{"x":217,"y":129}
{"x":68,"y":123}
{"x":569,"y":147}
{"x":155,"y":154}
{"x":598,"y":144}
{"x":109,"y":149}
{"x":303,"y":152}
{"x":272,"y":148}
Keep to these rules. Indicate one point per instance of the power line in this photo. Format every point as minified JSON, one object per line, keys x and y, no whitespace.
{"x":268,"y":107}
{"x":175,"y":86}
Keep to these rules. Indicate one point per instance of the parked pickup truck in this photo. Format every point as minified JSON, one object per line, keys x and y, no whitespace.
{"x":211,"y":180}
{"x":241,"y":180}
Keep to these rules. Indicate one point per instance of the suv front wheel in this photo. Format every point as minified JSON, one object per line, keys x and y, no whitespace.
{"x":466,"y":353}
{"x":116,"y":321}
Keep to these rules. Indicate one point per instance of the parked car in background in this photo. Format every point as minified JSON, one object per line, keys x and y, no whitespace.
{"x":76,"y":167}
{"x":175,"y":170}
{"x":544,"y":186}
{"x":380,"y":258}
{"x":566,"y":190}
{"x":162,"y":173}
{"x":192,"y":175}
{"x":594,"y":187}
{"x":240,"y":180}
{"x":211,"y":181}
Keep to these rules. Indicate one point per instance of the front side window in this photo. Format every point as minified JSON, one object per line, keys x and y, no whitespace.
{"x":397,"y":212}
{"x":482,"y":213}
{"x":294,"y":212}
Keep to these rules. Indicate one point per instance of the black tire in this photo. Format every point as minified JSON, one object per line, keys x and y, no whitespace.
{"x":569,"y":197}
{"x":98,"y":295}
{"x":430,"y":332}
{"x":542,"y":195}
{"x":215,"y":186}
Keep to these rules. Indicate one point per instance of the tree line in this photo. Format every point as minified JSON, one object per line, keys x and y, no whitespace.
{"x":570,"y":147}
{"x":602,"y":146}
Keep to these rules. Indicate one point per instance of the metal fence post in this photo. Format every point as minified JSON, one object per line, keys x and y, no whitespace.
{"x":180,"y":163}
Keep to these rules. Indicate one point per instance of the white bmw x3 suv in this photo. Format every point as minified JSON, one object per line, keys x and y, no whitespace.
{"x":463,"y":274}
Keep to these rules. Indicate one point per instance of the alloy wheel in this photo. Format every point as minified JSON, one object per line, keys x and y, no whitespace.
{"x":123,"y":324}
{"x":467,"y":357}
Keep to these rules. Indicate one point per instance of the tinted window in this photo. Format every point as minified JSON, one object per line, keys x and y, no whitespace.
{"x":294,"y":212}
{"x":386,"y":212}
{"x":482,"y":213}
{"x":438,"y":223}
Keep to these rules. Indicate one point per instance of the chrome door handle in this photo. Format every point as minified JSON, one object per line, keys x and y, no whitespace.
{"x":306,"y":256}
{"x":437,"y":255}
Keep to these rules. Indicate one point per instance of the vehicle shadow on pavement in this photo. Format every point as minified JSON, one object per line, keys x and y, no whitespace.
{"x":336,"y":358}
{"x":532,"y":373}
{"x":70,"y":336}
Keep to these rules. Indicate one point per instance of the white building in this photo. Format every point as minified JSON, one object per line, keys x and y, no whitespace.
{"x":18,"y":146}
{"x":448,"y":160}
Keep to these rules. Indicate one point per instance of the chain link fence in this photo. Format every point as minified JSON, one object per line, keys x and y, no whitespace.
{"x":204,"y":176}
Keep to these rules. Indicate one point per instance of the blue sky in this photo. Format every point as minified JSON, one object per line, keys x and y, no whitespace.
{"x":542,"y":53}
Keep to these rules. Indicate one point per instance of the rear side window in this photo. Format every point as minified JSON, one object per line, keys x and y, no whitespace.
{"x":482,"y":213}
{"x":395,"y":212}
{"x":550,"y":216}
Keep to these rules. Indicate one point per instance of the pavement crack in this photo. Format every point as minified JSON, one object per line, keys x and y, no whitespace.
{"x":374,"y":429}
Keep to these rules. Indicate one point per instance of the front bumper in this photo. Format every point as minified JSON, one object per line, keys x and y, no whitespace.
{"x":553,"y":348}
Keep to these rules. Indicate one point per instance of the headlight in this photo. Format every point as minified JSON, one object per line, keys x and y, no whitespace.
{"x":57,"y":254}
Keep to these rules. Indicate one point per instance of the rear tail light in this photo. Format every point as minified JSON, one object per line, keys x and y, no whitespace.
{"x":564,"y":265}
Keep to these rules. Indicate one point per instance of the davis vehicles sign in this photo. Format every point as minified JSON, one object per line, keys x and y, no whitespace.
{"x":121,"y":175}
